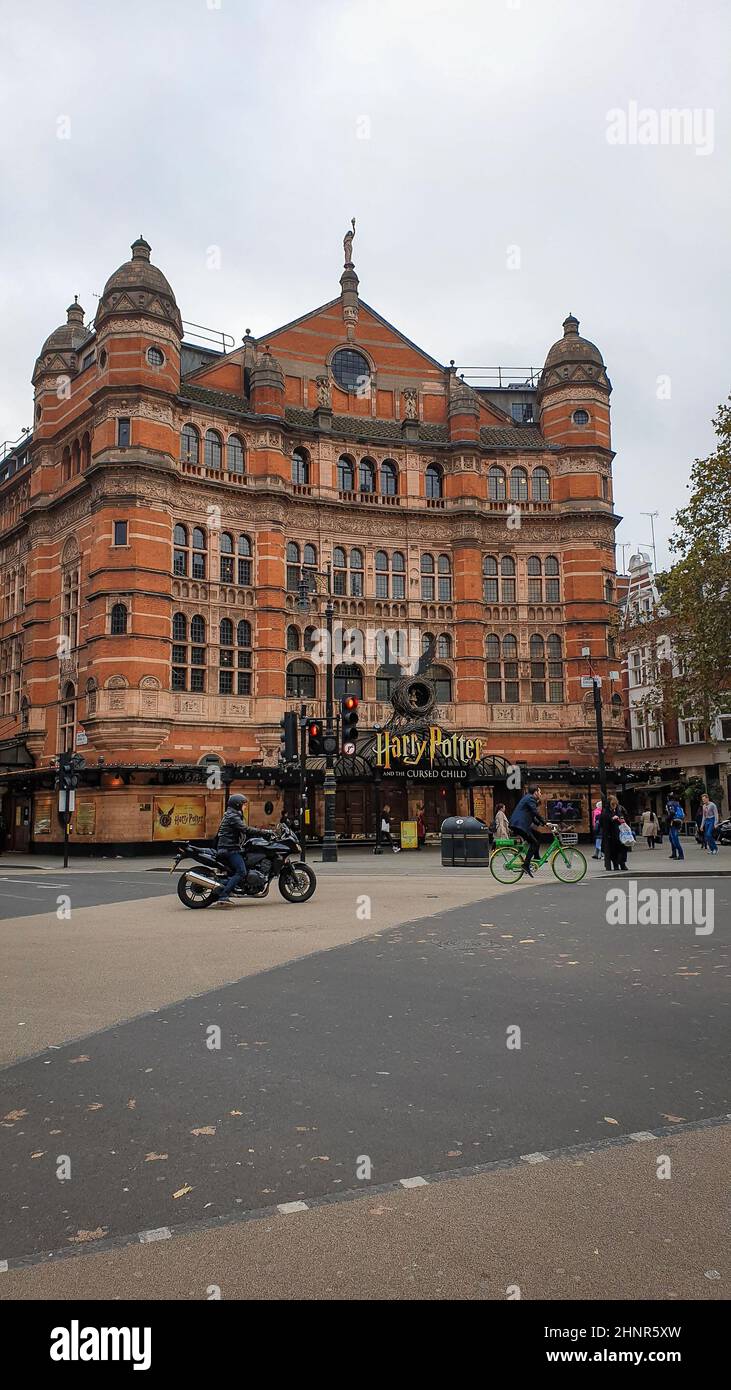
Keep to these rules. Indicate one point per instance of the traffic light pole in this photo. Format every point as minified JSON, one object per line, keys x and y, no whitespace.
{"x":595,"y":686}
{"x":303,"y":783}
{"x":330,"y":844}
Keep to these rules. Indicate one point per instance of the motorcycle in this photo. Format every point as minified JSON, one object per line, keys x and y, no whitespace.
{"x":267,"y":857}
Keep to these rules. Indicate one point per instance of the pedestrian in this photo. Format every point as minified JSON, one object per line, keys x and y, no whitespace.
{"x":650,"y":828}
{"x":2,"y":831}
{"x":710,"y":821}
{"x":674,"y":814}
{"x":384,"y":834}
{"x":420,"y":828}
{"x":615,"y":853}
{"x":596,"y":826}
{"x":502,"y":829}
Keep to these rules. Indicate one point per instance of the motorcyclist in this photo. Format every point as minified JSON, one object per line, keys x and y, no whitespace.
{"x":232,"y":834}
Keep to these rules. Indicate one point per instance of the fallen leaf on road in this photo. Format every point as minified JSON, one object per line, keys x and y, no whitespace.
{"x":204,"y":1129}
{"x":83,"y":1058}
{"x":674,"y":1119}
{"x":235,"y":1112}
{"x":153,"y":1157}
{"x":14,"y":1115}
{"x":131,"y":1103}
{"x":38,"y":1155}
{"x":82,"y":1236}
{"x":95,"y":1105}
{"x":182,"y":1191}
{"x":527,"y":941}
{"x":454,"y":1153}
{"x":610,"y":1121}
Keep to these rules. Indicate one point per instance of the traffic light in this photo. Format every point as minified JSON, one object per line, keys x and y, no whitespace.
{"x":288,"y":737}
{"x":69,"y":765}
{"x":349,"y":724}
{"x":315,"y":732}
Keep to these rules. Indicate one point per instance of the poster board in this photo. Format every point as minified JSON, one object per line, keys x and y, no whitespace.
{"x":409,"y":835}
{"x":178,"y":817}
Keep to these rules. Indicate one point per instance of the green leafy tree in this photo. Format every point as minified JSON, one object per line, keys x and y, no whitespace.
{"x":696,"y":590}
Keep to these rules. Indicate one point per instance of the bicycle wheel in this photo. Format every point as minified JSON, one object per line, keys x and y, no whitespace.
{"x":506,"y":865}
{"x":568,"y":864}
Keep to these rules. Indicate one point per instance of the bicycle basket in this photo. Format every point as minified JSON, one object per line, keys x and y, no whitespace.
{"x":568,"y":838}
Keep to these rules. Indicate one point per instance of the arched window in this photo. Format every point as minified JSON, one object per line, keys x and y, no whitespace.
{"x":444,"y":583}
{"x":367,"y":475}
{"x":535,"y":579}
{"x":348,"y":680}
{"x":225,"y":657}
{"x":67,"y":719}
{"x":235,"y":454}
{"x":555,"y":669}
{"x":444,"y":647}
{"x":244,"y":659}
{"x":309,"y":567}
{"x":496,"y":488}
{"x":427,"y":577}
{"x":301,"y":680}
{"x":434,"y":481}
{"x":346,"y":474}
{"x":489,"y":579}
{"x":213,"y":449}
{"x":189,"y":444}
{"x":308,"y":644}
{"x":502,"y":669}
{"x":507,"y":579}
{"x":553,"y":583}
{"x":227,"y":558}
{"x":293,"y":566}
{"x":340,"y":571}
{"x":197,"y":630}
{"x":537,"y":670}
{"x":85,"y":452}
{"x":75,"y":457}
{"x":66,"y":464}
{"x":245,"y":562}
{"x":70,"y":605}
{"x":386,"y":678}
{"x":189,"y":663}
{"x":356,"y":573}
{"x":518,"y":485}
{"x":180,"y":550}
{"x":389,"y":479}
{"x":300,"y":466}
{"x":441,"y":678}
{"x":608,"y":591}
{"x":180,"y":627}
{"x":381,"y":574}
{"x":226,"y":629}
{"x":118,"y":624}
{"x":540,"y":485}
{"x":293,"y":638}
{"x":398,"y":575}
{"x":198,"y":567}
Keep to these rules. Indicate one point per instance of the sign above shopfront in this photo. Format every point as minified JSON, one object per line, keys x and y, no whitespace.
{"x":425,"y":748}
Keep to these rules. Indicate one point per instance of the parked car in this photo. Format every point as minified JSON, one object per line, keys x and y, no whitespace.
{"x":723,"y":832}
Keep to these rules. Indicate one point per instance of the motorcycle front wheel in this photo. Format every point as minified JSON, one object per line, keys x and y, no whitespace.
{"x":297,"y":882}
{"x":194,"y":894}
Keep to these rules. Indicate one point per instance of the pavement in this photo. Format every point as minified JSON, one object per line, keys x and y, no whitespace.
{"x":383,"y":1045}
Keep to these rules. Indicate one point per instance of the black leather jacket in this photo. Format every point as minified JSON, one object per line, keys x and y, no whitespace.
{"x":232,"y":831}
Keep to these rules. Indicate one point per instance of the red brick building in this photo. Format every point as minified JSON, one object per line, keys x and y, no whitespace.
{"x":154,"y":527}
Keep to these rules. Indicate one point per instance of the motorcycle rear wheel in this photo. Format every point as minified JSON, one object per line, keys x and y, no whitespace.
{"x":194,"y":895}
{"x":297,"y":882}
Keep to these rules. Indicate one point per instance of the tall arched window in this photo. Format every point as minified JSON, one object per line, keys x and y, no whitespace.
{"x":507,"y":579}
{"x":608,"y":591}
{"x":340,"y":571}
{"x":180,"y":550}
{"x":540,"y":485}
{"x":244,"y":658}
{"x":189,"y":444}
{"x":85,"y":452}
{"x":75,"y":457}
{"x":555,"y":669}
{"x":348,"y":680}
{"x":434,"y":482}
{"x":245,"y":562}
{"x":535,"y":579}
{"x":381,"y":574}
{"x":502,"y":669}
{"x":444,"y":647}
{"x":427,"y":577}
{"x":118,"y":621}
{"x":553,"y":583}
{"x":356,"y":573}
{"x":66,"y":464}
{"x":213,"y":449}
{"x":234,"y":454}
{"x":346,"y":474}
{"x":441,"y":678}
{"x":387,"y":677}
{"x":180,"y":627}
{"x":389,"y":479}
{"x":489,"y":579}
{"x":67,"y":720}
{"x":367,"y":475}
{"x":189,"y":662}
{"x":198,"y":567}
{"x":309,"y":567}
{"x":293,"y":566}
{"x":227,"y":558}
{"x":537,"y":670}
{"x":444,"y":579}
{"x":301,"y":680}
{"x":225,"y":657}
{"x":518,"y":485}
{"x":300,"y":466}
{"x":496,"y":486}
{"x":398,"y":575}
{"x":293,"y":638}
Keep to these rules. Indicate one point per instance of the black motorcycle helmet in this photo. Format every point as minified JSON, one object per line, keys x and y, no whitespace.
{"x":236,"y":801}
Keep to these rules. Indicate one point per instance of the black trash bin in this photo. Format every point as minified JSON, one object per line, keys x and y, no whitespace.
{"x":465,"y":842}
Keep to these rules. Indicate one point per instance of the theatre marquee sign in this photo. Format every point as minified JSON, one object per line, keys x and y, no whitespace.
{"x":427,"y":752}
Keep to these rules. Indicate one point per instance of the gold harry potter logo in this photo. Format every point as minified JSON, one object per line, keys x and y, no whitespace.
{"x":414,"y":750}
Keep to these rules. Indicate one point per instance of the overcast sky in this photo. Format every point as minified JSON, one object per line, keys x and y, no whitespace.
{"x":454,"y":130}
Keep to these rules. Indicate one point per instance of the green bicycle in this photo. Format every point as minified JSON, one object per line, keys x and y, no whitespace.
{"x":508,"y":859}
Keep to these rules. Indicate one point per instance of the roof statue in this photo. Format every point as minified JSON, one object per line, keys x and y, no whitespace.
{"x":348,"y":245}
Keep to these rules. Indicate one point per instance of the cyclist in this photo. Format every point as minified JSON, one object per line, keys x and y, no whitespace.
{"x":522,"y":821}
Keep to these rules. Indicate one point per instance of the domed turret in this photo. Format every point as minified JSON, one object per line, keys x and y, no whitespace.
{"x":573,"y":391}
{"x":267,"y":385}
{"x":139,"y":287}
{"x":59,"y":350}
{"x":574,"y":358}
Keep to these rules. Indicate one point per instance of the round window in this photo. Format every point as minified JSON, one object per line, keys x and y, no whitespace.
{"x":155,"y":357}
{"x":580,"y":417}
{"x":351,"y":370}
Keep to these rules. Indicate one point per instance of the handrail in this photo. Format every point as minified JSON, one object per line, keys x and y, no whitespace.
{"x":211,"y":335}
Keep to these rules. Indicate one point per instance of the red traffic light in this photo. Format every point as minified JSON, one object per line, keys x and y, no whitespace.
{"x":313,"y":729}
{"x":350,"y":702}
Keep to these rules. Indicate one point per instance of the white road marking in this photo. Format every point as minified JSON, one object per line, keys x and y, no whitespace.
{"x":25,"y":896}
{"x":287,"y":1208}
{"x":160,"y":1233}
{"x":413,"y":1182}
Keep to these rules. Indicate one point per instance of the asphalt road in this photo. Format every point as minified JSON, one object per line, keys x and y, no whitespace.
{"x":34,"y":892}
{"x":392,"y":1049}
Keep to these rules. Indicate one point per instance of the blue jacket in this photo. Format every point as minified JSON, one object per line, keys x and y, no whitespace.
{"x":526,"y":814}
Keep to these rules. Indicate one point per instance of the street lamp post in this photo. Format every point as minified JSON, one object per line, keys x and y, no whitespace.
{"x":596,"y":688}
{"x":324,"y":586}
